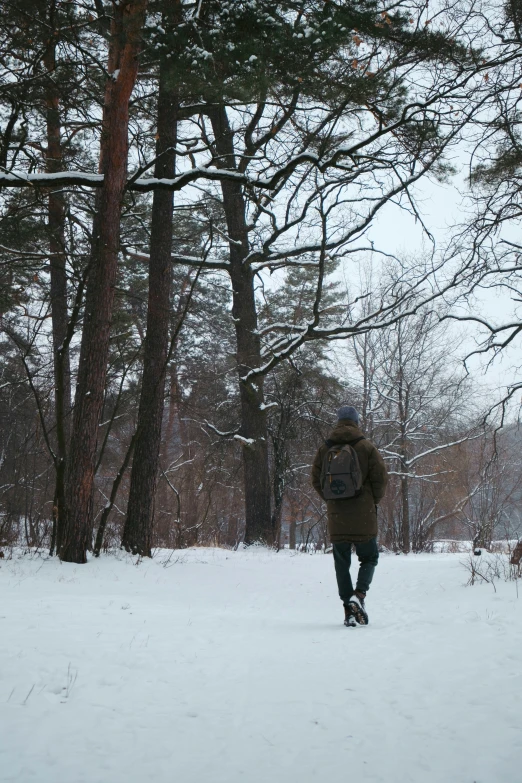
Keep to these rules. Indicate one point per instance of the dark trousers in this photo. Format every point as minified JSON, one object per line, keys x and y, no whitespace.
{"x":368,"y":555}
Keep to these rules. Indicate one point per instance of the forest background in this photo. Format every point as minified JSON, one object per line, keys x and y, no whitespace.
{"x":207,"y":213}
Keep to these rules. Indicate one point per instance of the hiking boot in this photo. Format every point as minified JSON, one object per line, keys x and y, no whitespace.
{"x":349,"y":619}
{"x":358,"y":611}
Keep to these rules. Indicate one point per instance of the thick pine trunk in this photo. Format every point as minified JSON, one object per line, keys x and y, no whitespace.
{"x":127,"y":23}
{"x":137,"y":532}
{"x":58,"y":276}
{"x":259,"y":522}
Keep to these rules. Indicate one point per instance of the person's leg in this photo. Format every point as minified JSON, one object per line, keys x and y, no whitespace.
{"x":368,"y":554}
{"x":342,"y":558}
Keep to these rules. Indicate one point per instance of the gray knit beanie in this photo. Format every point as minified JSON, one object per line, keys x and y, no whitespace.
{"x":347,"y":412}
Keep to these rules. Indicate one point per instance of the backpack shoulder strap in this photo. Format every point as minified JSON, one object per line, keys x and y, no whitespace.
{"x":331,"y":443}
{"x":357,"y":441}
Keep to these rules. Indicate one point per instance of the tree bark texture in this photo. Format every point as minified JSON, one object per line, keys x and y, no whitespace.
{"x":258,"y":519}
{"x":127,"y":23}
{"x":58,"y":279}
{"x":137,"y":532}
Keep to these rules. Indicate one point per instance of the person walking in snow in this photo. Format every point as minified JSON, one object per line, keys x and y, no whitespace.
{"x":350,"y":475}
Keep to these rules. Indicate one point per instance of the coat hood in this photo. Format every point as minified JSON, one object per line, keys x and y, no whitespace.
{"x":345,"y":431}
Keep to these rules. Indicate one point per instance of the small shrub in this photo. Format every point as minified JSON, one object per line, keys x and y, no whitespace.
{"x":491,"y":567}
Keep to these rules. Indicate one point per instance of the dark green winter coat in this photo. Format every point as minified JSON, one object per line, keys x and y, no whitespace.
{"x":353,"y":519}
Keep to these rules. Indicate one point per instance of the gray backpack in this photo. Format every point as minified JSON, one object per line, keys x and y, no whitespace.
{"x":341,"y":476}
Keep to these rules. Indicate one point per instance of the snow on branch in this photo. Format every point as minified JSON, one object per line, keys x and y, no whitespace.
{"x":229,"y":434}
{"x":443,"y":446}
{"x":17,"y":179}
{"x":143,"y":184}
{"x":424,"y":477}
{"x":58,"y":179}
{"x":244,"y":441}
{"x":26,"y":254}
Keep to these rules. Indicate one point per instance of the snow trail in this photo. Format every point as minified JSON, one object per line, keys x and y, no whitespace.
{"x":235,"y":666}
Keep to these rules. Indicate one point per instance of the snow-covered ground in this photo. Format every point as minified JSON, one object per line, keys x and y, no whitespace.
{"x":235,"y":666}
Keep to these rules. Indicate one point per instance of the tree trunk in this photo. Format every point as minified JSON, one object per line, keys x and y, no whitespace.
{"x":403,"y":405}
{"x":127,"y":23}
{"x":280,"y":464}
{"x":292,"y":530}
{"x":137,"y":532}
{"x":98,"y":544}
{"x":259,"y":522}
{"x":405,"y":519}
{"x":177,"y":424}
{"x":58,"y":275}
{"x":484,"y":535}
{"x":174,"y":423}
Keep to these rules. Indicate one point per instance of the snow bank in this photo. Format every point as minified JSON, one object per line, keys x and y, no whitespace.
{"x":235,"y":666}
